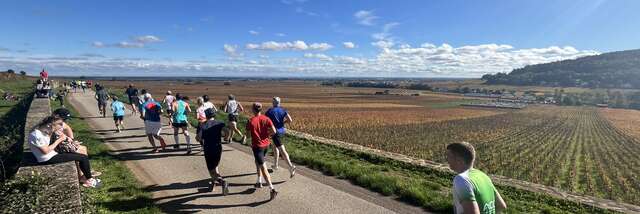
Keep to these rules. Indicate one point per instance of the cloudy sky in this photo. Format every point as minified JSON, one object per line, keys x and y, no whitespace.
{"x":269,"y":38}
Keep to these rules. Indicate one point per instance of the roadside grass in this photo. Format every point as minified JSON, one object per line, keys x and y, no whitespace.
{"x":12,"y":120}
{"x":121,"y":192}
{"x":419,"y":186}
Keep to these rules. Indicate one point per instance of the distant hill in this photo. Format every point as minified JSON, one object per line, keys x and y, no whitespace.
{"x":619,"y":69}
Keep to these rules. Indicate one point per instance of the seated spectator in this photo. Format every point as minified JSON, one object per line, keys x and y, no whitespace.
{"x":43,"y":149}
{"x":71,"y":145}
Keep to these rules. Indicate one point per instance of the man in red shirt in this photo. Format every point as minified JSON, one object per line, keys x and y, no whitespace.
{"x":261,"y":129}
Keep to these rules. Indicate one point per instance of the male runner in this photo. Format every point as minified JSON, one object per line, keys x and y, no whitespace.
{"x":168,"y":100}
{"x":209,"y":134}
{"x":134,"y":101}
{"x":473,"y":191}
{"x":102,"y":96}
{"x":233,"y":108}
{"x":279,"y":116}
{"x":151,"y":111}
{"x":261,"y":128}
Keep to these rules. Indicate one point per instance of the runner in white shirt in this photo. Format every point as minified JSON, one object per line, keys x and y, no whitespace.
{"x":168,"y":101}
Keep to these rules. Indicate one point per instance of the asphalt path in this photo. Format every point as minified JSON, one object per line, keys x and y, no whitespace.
{"x":179,"y":181}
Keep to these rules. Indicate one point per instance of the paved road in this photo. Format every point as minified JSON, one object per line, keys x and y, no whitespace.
{"x":179,"y":181}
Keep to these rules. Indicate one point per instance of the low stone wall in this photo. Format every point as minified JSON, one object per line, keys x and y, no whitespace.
{"x":533,"y":187}
{"x":62,"y":192}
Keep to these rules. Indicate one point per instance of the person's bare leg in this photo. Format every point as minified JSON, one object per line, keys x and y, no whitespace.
{"x":267,"y":177}
{"x":161,"y":139}
{"x":285,"y":155}
{"x":185,"y":131}
{"x":153,"y":142}
{"x":175,"y":137}
{"x":276,"y":156}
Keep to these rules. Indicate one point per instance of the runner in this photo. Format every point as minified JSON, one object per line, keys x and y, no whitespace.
{"x":208,"y":104}
{"x":118,"y":113}
{"x":233,"y":108}
{"x":209,"y":135}
{"x":473,"y":191}
{"x":168,"y":100}
{"x":83,"y":85}
{"x":279,"y":116}
{"x":151,"y":111}
{"x":261,"y":128}
{"x":102,"y":96}
{"x":180,"y":121}
{"x":132,"y":93}
{"x":141,"y":100}
{"x":200,"y":114}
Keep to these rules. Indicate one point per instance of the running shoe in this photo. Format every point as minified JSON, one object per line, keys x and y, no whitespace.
{"x":225,"y":188}
{"x":188,"y":151}
{"x":273,"y":194}
{"x":176,"y":146}
{"x":258,"y":185}
{"x":93,"y":183}
{"x":292,"y":172}
{"x":211,"y":186}
{"x":244,"y":139}
{"x":274,"y":167}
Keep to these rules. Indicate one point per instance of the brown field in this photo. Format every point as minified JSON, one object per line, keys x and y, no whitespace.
{"x":580,"y":149}
{"x":626,"y":120}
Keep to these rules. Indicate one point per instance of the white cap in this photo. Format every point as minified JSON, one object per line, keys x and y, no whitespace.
{"x":276,"y":101}
{"x":147,"y":96}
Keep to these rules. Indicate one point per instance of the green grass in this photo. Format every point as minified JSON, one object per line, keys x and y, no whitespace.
{"x":12,"y":120}
{"x":419,"y":186}
{"x":121,"y":192}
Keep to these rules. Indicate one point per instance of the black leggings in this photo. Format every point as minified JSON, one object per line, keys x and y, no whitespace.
{"x":66,"y":157}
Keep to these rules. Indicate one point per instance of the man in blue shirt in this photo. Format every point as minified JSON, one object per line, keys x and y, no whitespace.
{"x":279,"y":116}
{"x":151,"y":111}
{"x":117,"y":108}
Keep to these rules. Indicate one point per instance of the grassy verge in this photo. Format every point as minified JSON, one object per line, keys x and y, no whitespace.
{"x":121,"y":192}
{"x":12,"y":119}
{"x":420,"y":186}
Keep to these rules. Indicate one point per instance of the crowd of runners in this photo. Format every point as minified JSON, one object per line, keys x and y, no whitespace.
{"x":263,"y":127}
{"x":52,"y":141}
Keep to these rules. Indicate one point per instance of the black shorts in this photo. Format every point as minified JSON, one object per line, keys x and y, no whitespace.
{"x":277,"y":139}
{"x":212,"y":155}
{"x":259,"y":154}
{"x":118,"y":118}
{"x":169,"y":111}
{"x":102,"y":103}
{"x":233,"y":118}
{"x":179,"y":125}
{"x":133,"y":100}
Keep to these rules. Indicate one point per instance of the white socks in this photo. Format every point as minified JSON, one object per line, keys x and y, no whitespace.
{"x":175,"y":138}
{"x":186,"y":134}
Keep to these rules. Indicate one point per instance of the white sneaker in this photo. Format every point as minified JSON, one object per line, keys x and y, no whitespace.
{"x":274,"y":167}
{"x":93,"y":183}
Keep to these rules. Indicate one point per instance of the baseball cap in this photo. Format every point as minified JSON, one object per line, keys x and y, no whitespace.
{"x":257,"y":106}
{"x":210,"y":113}
{"x":276,"y":101}
{"x":63,"y":113}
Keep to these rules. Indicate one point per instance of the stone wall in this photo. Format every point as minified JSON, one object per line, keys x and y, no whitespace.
{"x":62,"y":192}
{"x":501,"y":180}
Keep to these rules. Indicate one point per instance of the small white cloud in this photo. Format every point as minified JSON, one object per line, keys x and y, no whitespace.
{"x":253,"y":32}
{"x":97,"y":44}
{"x":318,"y":56}
{"x":281,"y":34}
{"x":231,"y":50}
{"x":382,"y":44}
{"x":365,"y":17}
{"x":293,"y":46}
{"x":320,"y":46}
{"x":128,"y":45}
{"x":309,"y":13}
{"x":349,"y":45}
{"x":147,"y":39}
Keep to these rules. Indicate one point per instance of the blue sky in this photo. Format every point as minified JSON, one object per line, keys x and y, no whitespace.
{"x":308,"y":37}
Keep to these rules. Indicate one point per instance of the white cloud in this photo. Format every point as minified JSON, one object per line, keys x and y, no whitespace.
{"x":231,"y":50}
{"x":318,"y":56}
{"x":147,"y":39}
{"x":303,"y":11}
{"x":253,"y":32}
{"x":293,"y":46}
{"x":349,"y":45}
{"x":365,"y":17}
{"x":320,"y":46}
{"x":281,"y":34}
{"x":403,"y":60}
{"x":382,"y":44}
{"x":129,"y":45}
{"x":97,"y":44}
